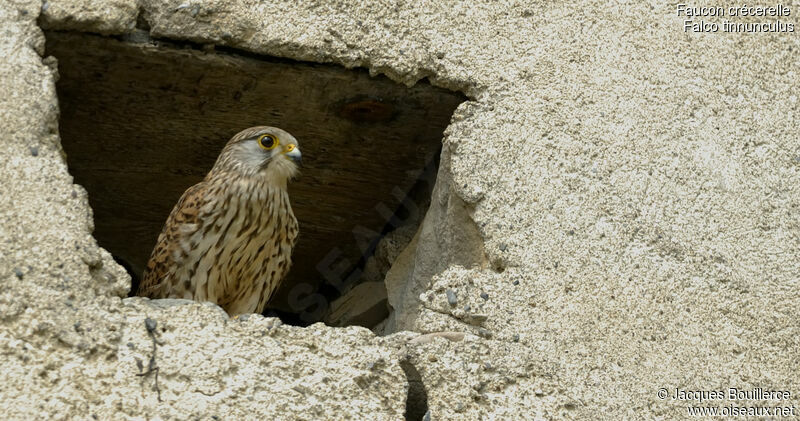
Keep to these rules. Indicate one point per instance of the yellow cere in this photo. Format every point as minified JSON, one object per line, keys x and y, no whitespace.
{"x":289,"y":147}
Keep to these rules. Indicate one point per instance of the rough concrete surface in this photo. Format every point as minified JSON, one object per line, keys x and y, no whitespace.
{"x":616,"y":212}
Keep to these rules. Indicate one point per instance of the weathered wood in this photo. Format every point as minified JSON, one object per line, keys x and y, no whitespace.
{"x":141,"y":122}
{"x":364,"y":305}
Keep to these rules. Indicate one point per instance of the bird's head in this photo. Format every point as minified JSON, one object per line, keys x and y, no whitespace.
{"x":261,"y":151}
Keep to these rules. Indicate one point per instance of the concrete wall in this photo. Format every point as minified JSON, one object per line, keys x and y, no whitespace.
{"x":617,"y":206}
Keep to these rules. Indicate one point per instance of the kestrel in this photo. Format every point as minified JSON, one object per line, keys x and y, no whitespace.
{"x":229,"y":238}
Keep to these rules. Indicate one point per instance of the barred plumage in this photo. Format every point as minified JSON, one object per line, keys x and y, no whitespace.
{"x":229,"y":238}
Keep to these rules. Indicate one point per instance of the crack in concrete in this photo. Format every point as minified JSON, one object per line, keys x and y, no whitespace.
{"x":417,"y":397}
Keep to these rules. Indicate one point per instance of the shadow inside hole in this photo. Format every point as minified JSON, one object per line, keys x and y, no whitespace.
{"x":141,"y":121}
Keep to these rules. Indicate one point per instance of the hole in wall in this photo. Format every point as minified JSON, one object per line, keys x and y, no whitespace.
{"x":143,"y":120}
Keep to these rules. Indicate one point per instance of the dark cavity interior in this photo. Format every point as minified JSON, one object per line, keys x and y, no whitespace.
{"x":142,"y":120}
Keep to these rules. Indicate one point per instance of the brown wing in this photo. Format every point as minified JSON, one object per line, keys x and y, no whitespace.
{"x":162,"y":260}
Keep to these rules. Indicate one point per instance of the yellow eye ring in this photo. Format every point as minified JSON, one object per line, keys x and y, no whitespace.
{"x":268,"y":141}
{"x":290,"y":147}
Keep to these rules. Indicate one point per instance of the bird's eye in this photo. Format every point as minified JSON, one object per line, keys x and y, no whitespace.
{"x":267,"y":141}
{"x":289,"y":147}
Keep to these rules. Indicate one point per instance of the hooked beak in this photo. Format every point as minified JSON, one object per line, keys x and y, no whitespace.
{"x":296,"y":157}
